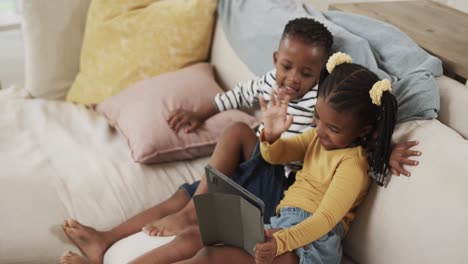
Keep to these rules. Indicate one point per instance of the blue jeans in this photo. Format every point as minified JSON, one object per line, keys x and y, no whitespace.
{"x":264,"y":180}
{"x":325,"y":250}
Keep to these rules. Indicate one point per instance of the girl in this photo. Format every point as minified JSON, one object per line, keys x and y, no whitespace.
{"x":354,"y":118}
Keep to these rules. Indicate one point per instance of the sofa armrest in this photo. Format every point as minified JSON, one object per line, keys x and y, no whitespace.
{"x":453,"y":104}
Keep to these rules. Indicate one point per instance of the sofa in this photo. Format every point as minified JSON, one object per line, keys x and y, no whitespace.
{"x":60,"y":160}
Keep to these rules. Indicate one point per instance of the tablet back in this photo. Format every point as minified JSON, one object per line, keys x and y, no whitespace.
{"x":228,"y":214}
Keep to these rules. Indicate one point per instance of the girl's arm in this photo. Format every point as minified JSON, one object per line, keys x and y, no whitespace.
{"x":275,"y":122}
{"x":401,"y":154}
{"x":285,"y":150}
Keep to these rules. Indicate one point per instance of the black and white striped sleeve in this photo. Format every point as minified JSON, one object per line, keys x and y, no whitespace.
{"x":244,"y":94}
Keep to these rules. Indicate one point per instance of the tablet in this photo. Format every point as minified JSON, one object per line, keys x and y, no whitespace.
{"x":220,"y":183}
{"x":229,"y":214}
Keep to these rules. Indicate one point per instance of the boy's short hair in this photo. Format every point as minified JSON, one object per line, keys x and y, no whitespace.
{"x":310,"y":31}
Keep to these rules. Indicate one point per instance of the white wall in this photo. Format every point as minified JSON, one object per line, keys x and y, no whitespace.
{"x":11,"y":46}
{"x":459,"y":4}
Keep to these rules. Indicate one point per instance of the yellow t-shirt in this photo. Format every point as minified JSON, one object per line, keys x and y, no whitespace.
{"x":330,"y":184}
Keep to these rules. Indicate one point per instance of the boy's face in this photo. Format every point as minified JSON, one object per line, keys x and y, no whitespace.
{"x":298,"y":66}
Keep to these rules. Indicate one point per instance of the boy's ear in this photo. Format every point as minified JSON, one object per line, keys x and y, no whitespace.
{"x":275,"y":57}
{"x":365,"y":131}
{"x":323,"y":74}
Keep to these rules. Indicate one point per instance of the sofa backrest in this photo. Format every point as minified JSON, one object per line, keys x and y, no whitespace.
{"x":453,"y":105}
{"x":228,"y":66}
{"x":52,"y":33}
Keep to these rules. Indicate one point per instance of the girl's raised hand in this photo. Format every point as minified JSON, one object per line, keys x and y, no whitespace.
{"x":275,"y":117}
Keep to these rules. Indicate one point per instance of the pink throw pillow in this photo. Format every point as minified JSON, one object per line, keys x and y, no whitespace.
{"x":140,"y":113}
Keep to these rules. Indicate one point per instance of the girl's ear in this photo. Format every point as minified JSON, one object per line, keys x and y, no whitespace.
{"x":275,"y":57}
{"x":365,"y":131}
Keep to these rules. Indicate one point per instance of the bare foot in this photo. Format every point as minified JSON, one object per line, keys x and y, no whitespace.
{"x":73,"y":258}
{"x":169,"y":225}
{"x":90,"y":241}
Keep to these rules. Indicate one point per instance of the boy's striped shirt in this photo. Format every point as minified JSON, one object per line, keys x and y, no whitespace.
{"x":245,"y":96}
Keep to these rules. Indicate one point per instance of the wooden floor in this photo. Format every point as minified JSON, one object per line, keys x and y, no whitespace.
{"x":439,"y":29}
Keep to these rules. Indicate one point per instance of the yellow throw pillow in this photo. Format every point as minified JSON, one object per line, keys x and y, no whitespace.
{"x":129,"y":40}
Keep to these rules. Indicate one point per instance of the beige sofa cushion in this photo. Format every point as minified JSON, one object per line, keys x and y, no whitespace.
{"x":53,"y":32}
{"x":423,"y":218}
{"x":228,"y":66}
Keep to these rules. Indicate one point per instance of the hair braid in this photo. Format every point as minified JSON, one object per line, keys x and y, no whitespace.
{"x":379,"y":152}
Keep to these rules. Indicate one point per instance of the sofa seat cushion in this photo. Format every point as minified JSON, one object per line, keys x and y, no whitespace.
{"x":138,"y":244}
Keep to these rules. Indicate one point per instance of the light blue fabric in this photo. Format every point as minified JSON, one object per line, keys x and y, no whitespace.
{"x":410,"y":68}
{"x":325,"y":250}
{"x":254,"y":28}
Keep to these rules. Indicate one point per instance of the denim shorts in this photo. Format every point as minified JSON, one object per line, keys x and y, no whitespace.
{"x":325,"y":250}
{"x":264,"y":180}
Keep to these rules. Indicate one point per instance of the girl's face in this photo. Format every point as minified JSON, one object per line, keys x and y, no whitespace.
{"x":336,"y":130}
{"x":298,"y":66}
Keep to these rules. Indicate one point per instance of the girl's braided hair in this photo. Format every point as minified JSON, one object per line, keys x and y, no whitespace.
{"x":347,"y":88}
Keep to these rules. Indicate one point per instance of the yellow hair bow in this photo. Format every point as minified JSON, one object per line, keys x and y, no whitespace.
{"x":377,"y":90}
{"x":337,"y":59}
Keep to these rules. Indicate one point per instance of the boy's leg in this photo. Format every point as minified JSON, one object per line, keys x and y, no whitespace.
{"x":94,"y":243}
{"x":235,"y":145}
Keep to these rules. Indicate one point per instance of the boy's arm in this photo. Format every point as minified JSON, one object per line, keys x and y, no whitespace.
{"x":190,"y":120}
{"x":349,"y":183}
{"x":400,"y":156}
{"x":243,"y":95}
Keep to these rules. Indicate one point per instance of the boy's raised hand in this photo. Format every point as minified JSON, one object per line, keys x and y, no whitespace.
{"x":265,"y":252}
{"x":400,"y":156}
{"x":183,"y":118}
{"x":275,"y":117}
